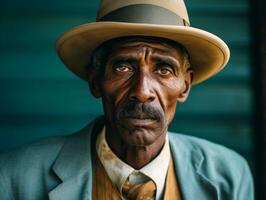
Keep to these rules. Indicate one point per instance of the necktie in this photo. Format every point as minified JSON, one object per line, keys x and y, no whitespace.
{"x":144,"y":191}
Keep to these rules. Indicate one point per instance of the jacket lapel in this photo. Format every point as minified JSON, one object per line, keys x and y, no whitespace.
{"x":188,"y":163}
{"x":74,"y":166}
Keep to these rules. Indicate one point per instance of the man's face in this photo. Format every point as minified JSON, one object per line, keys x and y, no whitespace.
{"x":140,"y":87}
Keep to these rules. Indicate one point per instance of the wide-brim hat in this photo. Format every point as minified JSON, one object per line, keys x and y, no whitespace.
{"x":155,"y":18}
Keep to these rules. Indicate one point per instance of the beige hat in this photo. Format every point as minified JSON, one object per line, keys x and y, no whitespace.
{"x":156,"y":18}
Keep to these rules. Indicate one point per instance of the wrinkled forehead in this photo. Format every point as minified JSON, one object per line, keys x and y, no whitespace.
{"x":127,"y":42}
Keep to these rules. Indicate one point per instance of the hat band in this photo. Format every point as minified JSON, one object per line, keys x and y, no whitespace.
{"x":145,"y":13}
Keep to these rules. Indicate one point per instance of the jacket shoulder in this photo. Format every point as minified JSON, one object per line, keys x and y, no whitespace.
{"x":29,"y":165}
{"x":43,"y":151}
{"x":209,"y":150}
{"x":227,"y":170}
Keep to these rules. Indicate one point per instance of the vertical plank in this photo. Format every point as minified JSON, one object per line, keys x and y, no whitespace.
{"x":263,"y":88}
{"x":258,"y":53}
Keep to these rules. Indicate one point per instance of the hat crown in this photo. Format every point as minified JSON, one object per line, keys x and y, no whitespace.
{"x":177,"y":7}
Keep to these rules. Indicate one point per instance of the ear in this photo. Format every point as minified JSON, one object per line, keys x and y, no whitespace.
{"x":93,"y":83}
{"x":188,"y":78}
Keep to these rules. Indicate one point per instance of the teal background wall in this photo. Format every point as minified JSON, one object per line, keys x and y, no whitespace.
{"x":40,"y":97}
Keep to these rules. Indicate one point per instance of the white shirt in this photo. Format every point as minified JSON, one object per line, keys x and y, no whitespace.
{"x":118,"y":171}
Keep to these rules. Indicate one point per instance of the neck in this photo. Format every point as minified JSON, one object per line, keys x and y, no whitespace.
{"x":135,"y":156}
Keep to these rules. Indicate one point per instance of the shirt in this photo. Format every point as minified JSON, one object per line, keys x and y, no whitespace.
{"x":118,"y":171}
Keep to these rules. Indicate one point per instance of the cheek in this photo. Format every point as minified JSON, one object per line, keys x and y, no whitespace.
{"x":112,"y":84}
{"x":113,"y":91}
{"x":171,"y":111}
{"x":171,"y":91}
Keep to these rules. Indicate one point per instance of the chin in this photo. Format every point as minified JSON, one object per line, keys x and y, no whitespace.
{"x":138,"y":137}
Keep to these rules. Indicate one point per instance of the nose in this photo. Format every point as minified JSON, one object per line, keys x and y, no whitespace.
{"x":141,"y":90}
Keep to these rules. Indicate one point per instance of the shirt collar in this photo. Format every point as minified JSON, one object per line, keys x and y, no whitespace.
{"x":118,"y":171}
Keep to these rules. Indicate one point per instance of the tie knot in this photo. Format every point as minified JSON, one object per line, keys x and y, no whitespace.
{"x":143,"y":191}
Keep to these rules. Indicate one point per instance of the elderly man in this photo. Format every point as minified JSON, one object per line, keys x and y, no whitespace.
{"x":141,"y":58}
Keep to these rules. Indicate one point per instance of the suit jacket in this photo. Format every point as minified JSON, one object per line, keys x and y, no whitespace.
{"x":61,"y":168}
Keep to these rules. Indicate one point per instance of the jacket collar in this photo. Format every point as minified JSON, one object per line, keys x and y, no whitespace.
{"x":74,"y":165}
{"x":189,"y":162}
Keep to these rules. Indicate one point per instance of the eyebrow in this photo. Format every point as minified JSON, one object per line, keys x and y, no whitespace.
{"x":167,"y":59}
{"x":123,"y":58}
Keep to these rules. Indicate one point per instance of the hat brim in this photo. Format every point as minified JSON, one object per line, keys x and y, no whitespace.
{"x":208,"y":53}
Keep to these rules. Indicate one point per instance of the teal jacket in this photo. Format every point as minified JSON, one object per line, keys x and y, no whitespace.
{"x":61,"y":168}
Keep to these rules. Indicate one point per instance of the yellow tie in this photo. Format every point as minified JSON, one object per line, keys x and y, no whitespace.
{"x":144,"y":191}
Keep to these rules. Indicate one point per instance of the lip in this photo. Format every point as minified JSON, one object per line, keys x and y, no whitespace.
{"x":140,"y":122}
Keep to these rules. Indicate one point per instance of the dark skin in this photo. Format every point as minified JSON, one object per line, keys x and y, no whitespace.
{"x":142,"y":83}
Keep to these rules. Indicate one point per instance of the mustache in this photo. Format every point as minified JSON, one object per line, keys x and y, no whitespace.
{"x":140,"y":111}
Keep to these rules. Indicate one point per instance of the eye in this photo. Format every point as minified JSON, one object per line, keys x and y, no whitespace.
{"x":164,"y":70}
{"x":123,"y":67}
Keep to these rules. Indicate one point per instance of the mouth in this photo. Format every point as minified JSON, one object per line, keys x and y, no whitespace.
{"x":140,"y":122}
